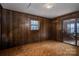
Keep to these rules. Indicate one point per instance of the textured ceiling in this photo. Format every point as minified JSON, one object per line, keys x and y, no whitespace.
{"x":58,"y":9}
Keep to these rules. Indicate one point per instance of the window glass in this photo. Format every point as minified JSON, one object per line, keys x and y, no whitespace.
{"x":77,"y":27}
{"x":71,"y":28}
{"x":34,"y":25}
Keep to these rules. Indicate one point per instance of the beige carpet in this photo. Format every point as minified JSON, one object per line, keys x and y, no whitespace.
{"x":45,"y":48}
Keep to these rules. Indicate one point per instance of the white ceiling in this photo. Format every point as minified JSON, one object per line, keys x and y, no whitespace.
{"x":58,"y":9}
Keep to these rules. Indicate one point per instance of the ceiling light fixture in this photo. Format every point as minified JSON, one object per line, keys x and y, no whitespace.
{"x":48,"y":5}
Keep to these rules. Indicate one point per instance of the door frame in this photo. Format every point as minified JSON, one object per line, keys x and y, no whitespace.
{"x":75,"y":30}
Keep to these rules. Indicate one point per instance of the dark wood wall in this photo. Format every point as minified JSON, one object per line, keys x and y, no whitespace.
{"x":16,"y":29}
{"x":0,"y":23}
{"x":57,"y":31}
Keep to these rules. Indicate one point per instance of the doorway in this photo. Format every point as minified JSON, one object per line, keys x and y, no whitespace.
{"x":77,"y":32}
{"x":71,"y":31}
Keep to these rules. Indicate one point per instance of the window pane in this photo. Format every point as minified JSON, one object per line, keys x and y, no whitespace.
{"x":34,"y":25}
{"x":70,"y":28}
{"x":77,"y":27}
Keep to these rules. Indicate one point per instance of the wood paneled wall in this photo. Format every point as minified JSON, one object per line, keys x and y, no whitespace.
{"x":57,"y":31}
{"x":0,"y":23}
{"x":16,"y":29}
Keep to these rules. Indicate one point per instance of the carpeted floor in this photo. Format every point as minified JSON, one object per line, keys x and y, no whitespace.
{"x":45,"y":48}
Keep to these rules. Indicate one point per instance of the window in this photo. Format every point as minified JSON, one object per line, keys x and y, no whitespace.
{"x":34,"y":25}
{"x":77,"y":27}
{"x":71,"y":28}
